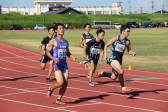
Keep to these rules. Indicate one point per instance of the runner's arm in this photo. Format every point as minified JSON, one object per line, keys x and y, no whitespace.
{"x":84,"y":51}
{"x":40,"y":48}
{"x":69,"y":54}
{"x":110,"y":42}
{"x":129,"y":50}
{"x":81,"y":42}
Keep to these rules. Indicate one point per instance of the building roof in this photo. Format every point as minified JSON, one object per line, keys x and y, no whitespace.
{"x":65,"y":10}
{"x":53,"y":1}
{"x":162,"y":11}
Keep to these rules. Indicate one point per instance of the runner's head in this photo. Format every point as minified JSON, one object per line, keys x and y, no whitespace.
{"x":51,"y":31}
{"x":125,"y":30}
{"x":100,"y":33}
{"x":59,"y":28}
{"x":87,"y":27}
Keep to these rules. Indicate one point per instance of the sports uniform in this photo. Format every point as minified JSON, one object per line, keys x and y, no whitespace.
{"x":60,"y":53}
{"x":93,"y":49}
{"x":87,"y":38}
{"x":45,"y":42}
{"x":118,"y":49}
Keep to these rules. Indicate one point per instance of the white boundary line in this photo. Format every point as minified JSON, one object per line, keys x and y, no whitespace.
{"x":36,"y":105}
{"x":76,"y":62}
{"x":95,"y":102}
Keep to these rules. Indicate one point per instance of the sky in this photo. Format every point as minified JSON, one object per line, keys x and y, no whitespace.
{"x":135,"y":5}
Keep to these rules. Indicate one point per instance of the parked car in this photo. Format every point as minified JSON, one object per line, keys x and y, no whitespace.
{"x":133,"y":24}
{"x":148,"y":25}
{"x":16,"y":27}
{"x":117,"y":25}
{"x":157,"y":24}
{"x":39,"y":27}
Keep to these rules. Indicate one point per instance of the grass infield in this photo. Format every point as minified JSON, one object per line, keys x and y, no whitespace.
{"x":151,"y":45}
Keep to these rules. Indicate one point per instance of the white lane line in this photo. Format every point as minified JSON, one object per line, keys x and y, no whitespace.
{"x":84,"y":74}
{"x":91,"y":101}
{"x":97,"y":91}
{"x":75,"y":80}
{"x":37,"y":105}
{"x":76,"y":62}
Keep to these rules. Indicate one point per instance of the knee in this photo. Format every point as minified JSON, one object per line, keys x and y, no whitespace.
{"x":121,"y":71}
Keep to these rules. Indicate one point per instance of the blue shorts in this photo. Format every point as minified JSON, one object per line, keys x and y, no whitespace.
{"x":62,"y":65}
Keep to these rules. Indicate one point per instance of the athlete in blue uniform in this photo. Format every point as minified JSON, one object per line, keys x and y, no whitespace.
{"x":94,"y":48}
{"x":119,"y":44}
{"x":60,"y":48}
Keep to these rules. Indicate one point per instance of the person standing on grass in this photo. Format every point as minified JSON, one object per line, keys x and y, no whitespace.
{"x":60,"y":48}
{"x":119,"y":44}
{"x":86,"y":37}
{"x":94,"y":48}
{"x":45,"y":58}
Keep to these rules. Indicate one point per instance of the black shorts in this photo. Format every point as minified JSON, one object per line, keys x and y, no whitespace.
{"x":115,"y":58}
{"x":95,"y":60}
{"x":45,"y":58}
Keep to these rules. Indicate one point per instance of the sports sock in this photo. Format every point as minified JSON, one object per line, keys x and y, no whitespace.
{"x":107,"y":74}
{"x":121,"y":80}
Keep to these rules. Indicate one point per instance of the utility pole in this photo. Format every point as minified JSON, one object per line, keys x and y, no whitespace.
{"x":152,"y":6}
{"x":129,"y":5}
{"x":141,"y":10}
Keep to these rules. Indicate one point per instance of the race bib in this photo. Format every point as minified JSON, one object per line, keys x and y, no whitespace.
{"x":61,"y":52}
{"x":95,"y":51}
{"x":120,"y":48}
{"x":87,"y":40}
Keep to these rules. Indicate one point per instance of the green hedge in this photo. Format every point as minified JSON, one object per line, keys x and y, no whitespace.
{"x":74,"y":21}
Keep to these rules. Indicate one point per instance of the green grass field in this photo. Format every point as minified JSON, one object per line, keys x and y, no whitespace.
{"x":151,"y":45}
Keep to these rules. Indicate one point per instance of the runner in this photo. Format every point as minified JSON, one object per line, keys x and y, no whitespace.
{"x":45,"y":58}
{"x":119,"y":44}
{"x":93,"y":47}
{"x":86,"y":37}
{"x":60,"y":48}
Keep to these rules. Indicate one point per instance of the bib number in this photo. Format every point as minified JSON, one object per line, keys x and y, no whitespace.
{"x":61,"y":52}
{"x":87,"y":40}
{"x":95,"y":51}
{"x":120,"y":48}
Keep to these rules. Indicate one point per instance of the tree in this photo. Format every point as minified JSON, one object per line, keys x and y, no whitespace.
{"x":0,"y":10}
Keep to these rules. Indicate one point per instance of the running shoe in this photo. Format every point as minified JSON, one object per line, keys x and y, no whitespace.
{"x":84,"y":62}
{"x":91,"y":84}
{"x":40,"y":59}
{"x":126,"y":90}
{"x":99,"y":73}
{"x":58,"y":101}
{"x":48,"y":80}
{"x":49,"y":93}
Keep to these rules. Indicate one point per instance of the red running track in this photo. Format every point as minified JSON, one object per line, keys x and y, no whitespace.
{"x":23,"y":88}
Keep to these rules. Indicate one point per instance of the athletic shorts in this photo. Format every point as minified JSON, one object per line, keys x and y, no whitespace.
{"x":115,"y":58}
{"x":45,"y":58}
{"x":95,"y":60}
{"x":62,"y":65}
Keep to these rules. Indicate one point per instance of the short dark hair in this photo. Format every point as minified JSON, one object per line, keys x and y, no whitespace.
{"x":99,"y":31}
{"x":123,"y":27}
{"x":58,"y":24}
{"x":50,"y":28}
{"x":86,"y":25}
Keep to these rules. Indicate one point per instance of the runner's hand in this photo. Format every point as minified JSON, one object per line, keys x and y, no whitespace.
{"x":56,"y":60}
{"x":85,"y":56}
{"x":133,"y":53}
{"x":74,"y":58}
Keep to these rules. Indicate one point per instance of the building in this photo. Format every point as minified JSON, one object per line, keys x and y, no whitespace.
{"x":59,"y":9}
{"x":42,"y":7}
